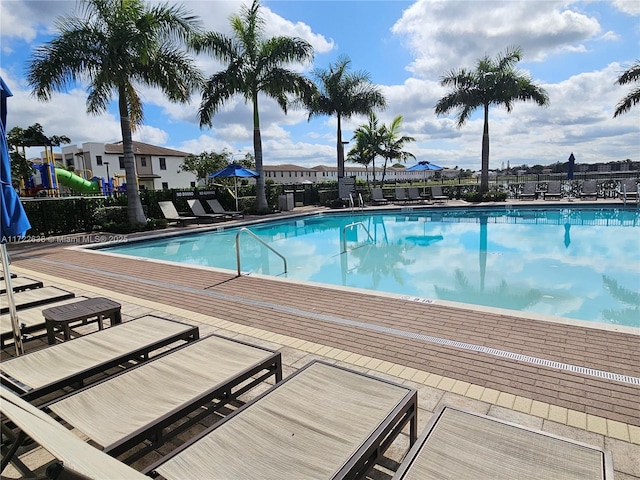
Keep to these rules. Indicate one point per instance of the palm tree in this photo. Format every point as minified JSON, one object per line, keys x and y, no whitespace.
{"x":344,"y":94}
{"x":117,"y":46}
{"x":254,"y":65}
{"x":495,"y":81}
{"x":367,"y":145}
{"x":393,"y":143}
{"x":629,"y":76}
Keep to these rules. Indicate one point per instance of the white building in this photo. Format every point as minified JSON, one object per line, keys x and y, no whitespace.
{"x":288,"y":174}
{"x":157,"y":167}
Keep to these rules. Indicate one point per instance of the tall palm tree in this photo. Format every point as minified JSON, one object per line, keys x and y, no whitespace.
{"x":392,"y":144}
{"x":343,"y":94}
{"x":629,"y":76}
{"x":117,"y":46}
{"x":495,"y":81}
{"x":254,"y":65}
{"x":367,"y":145}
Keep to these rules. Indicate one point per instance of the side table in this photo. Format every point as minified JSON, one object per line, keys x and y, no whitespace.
{"x":86,"y":311}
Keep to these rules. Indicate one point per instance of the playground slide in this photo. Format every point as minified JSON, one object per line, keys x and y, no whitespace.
{"x":75,"y":182}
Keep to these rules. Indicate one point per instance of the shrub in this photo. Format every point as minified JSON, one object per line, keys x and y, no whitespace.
{"x":490,"y":196}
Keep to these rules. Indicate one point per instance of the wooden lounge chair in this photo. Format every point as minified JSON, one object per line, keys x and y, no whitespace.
{"x":20,"y":284}
{"x":459,"y":445}
{"x":401,"y":195}
{"x":141,"y":403}
{"x":215,"y":206}
{"x":324,"y":421}
{"x":529,"y":191}
{"x":437,"y":195}
{"x":629,"y":190}
{"x":31,"y":321}
{"x":35,"y":297}
{"x":554,"y":190}
{"x":171,"y":214}
{"x":198,"y":210}
{"x":73,"y":457}
{"x":377,"y":198}
{"x":589,"y":189}
{"x":72,"y":363}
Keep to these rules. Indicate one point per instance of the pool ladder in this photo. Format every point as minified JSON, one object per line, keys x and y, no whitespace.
{"x":244,"y":229}
{"x":344,"y":234}
{"x":353,"y":205}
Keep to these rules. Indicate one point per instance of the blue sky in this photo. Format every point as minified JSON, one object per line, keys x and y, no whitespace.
{"x":574,"y":49}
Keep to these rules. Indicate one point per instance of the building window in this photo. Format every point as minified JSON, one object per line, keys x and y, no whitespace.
{"x":121,"y":160}
{"x":98,"y":159}
{"x":143,"y":161}
{"x":165,"y":185}
{"x":163,"y":163}
{"x":193,"y":184}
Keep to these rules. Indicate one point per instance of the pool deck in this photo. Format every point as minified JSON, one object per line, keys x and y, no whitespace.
{"x":565,"y":378}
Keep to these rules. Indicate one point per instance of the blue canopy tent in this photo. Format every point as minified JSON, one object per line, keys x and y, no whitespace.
{"x":235,"y":170}
{"x":424,"y":166}
{"x":13,"y":220}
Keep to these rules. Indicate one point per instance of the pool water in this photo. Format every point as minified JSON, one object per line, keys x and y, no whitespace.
{"x":580,"y":263}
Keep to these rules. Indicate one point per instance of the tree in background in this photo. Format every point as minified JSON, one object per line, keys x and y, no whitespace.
{"x":392,"y":144}
{"x":255,"y":65}
{"x":632,"y":74}
{"x":495,"y":81}
{"x":116,"y":46}
{"x":209,"y":162}
{"x":367,"y":145}
{"x":344,"y":94}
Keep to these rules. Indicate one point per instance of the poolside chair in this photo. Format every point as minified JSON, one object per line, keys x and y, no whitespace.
{"x":19,"y":284}
{"x":198,"y":210}
{"x":215,"y":206}
{"x":462,"y":445}
{"x":34,"y":297}
{"x":629,"y":190}
{"x":142,"y":403}
{"x":529,"y":191}
{"x":72,"y":363}
{"x":32,"y":323}
{"x":554,"y":190}
{"x":589,"y":189}
{"x":171,"y":214}
{"x":401,"y":195}
{"x":414,"y":194}
{"x":437,"y":195}
{"x":377,"y":198}
{"x":324,"y":421}
{"x":72,"y":457}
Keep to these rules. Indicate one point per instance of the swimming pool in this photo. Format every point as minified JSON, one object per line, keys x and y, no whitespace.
{"x":580,"y":263}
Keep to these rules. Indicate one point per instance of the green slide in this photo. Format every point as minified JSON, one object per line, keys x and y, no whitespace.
{"x":74,"y":182}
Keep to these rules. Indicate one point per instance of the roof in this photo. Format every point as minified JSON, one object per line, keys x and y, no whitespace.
{"x":140,"y":148}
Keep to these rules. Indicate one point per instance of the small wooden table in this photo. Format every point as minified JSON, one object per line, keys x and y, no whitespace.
{"x":86,"y":311}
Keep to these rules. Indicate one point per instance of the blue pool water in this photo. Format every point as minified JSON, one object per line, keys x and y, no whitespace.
{"x":580,"y":263}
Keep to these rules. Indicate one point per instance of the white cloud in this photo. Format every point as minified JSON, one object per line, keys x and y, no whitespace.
{"x":632,"y":7}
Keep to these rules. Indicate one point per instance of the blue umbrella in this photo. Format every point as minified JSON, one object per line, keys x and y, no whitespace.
{"x":234,"y":170}
{"x":572,"y":162}
{"x":13,"y":220}
{"x":424,"y":166}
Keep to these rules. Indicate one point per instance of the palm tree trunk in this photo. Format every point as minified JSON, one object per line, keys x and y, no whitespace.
{"x":261,"y":197}
{"x":484,"y":172}
{"x":135,"y":213}
{"x":340,"y":152}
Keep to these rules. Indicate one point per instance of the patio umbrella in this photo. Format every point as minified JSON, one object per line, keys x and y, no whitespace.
{"x":14,"y":221}
{"x":234,"y":170}
{"x":572,"y":162}
{"x":424,"y":166}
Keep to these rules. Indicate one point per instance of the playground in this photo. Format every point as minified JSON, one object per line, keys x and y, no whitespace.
{"x":48,"y":179}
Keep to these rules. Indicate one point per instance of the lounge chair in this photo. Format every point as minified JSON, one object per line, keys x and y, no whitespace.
{"x":72,"y":363}
{"x":629,"y":190}
{"x":198,"y":210}
{"x":324,"y":421}
{"x":73,"y":457}
{"x":377,"y":198}
{"x":31,"y":321}
{"x":35,"y":297}
{"x":437,"y":195}
{"x":589,"y":189}
{"x":141,"y":403}
{"x":414,"y":194}
{"x":401,"y":195}
{"x":20,"y":284}
{"x":215,"y":207}
{"x":554,"y":190}
{"x":529,"y":191}
{"x":464,"y":445}
{"x":171,"y":214}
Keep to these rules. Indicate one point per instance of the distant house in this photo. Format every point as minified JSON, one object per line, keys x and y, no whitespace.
{"x":288,"y":174}
{"x":157,"y":167}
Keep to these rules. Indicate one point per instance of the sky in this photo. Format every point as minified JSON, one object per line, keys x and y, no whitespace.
{"x":575,"y":50}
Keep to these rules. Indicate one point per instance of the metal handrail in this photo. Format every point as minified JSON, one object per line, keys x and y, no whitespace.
{"x":245,"y":229}
{"x":344,"y":236}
